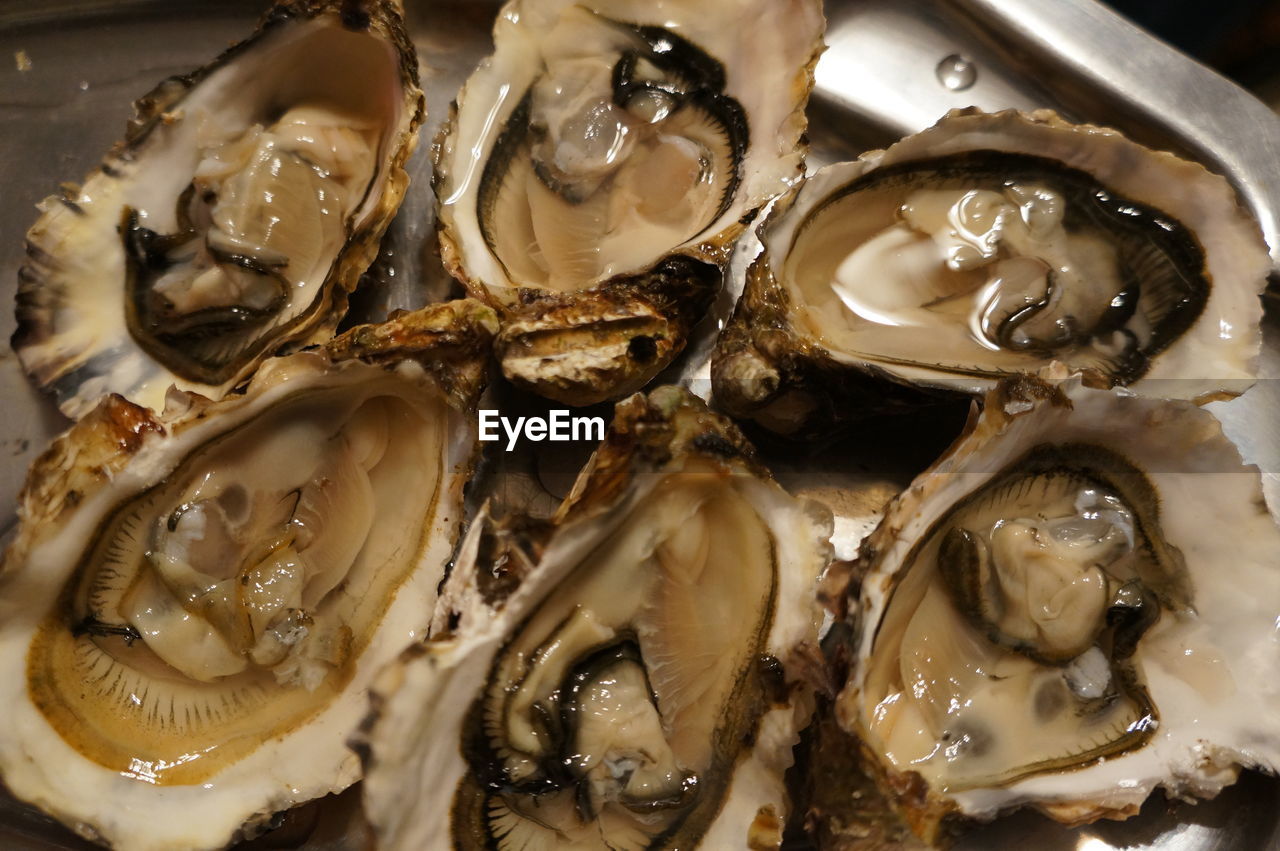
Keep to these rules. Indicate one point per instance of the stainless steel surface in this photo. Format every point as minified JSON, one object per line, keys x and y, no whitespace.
{"x":1077,"y":57}
{"x":70,"y":68}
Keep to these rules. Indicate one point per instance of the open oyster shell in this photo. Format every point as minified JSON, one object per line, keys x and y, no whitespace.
{"x":1075,"y":606}
{"x":643,"y":685}
{"x":991,"y":245}
{"x":195,"y":602}
{"x":599,"y":165}
{"x":240,"y":209}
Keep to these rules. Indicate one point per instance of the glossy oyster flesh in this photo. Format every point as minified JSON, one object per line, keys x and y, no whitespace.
{"x":641,"y":687}
{"x":196,"y":601}
{"x":241,"y":208}
{"x":992,"y":245}
{"x":1073,"y":607}
{"x":600,"y":164}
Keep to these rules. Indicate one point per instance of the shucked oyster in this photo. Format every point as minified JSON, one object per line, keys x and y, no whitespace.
{"x":641,"y":688}
{"x":196,"y":602}
{"x":1075,"y":606}
{"x":600,"y":164}
{"x":243,"y":205}
{"x":991,"y":245}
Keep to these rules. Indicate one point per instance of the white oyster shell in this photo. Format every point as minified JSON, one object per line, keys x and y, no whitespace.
{"x":234,"y":218}
{"x":636,"y":560}
{"x":601,"y":163}
{"x":196,"y":602}
{"x":767,"y":69}
{"x":990,"y":245}
{"x":1205,"y":668}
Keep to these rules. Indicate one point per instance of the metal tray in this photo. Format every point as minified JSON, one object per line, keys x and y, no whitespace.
{"x":70,"y":68}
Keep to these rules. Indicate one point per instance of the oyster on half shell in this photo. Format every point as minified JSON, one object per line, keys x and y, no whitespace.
{"x":642,"y":686}
{"x":1075,"y":606}
{"x":991,"y":245}
{"x":196,"y":601}
{"x":600,"y":164}
{"x":243,"y":205}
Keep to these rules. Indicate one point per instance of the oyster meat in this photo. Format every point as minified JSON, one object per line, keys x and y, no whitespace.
{"x":239,"y":211}
{"x":196,"y":601}
{"x":601,"y":163}
{"x":1075,"y":606}
{"x":644,"y":683}
{"x":991,"y":245}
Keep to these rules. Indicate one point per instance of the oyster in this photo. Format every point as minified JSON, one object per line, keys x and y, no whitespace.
{"x":195,"y":602}
{"x":241,"y":208}
{"x":991,"y":245}
{"x":1073,"y":607}
{"x":599,"y":166}
{"x":643,"y":685}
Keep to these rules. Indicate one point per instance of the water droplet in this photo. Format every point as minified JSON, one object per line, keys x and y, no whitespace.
{"x":956,"y":73}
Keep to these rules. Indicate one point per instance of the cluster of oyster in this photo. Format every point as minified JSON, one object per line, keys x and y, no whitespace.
{"x":239,"y":581}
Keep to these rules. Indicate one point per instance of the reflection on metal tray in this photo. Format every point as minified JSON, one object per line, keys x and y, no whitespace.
{"x":893,"y":67}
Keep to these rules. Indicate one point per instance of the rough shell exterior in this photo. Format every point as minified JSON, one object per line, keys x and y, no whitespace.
{"x":610,"y":340}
